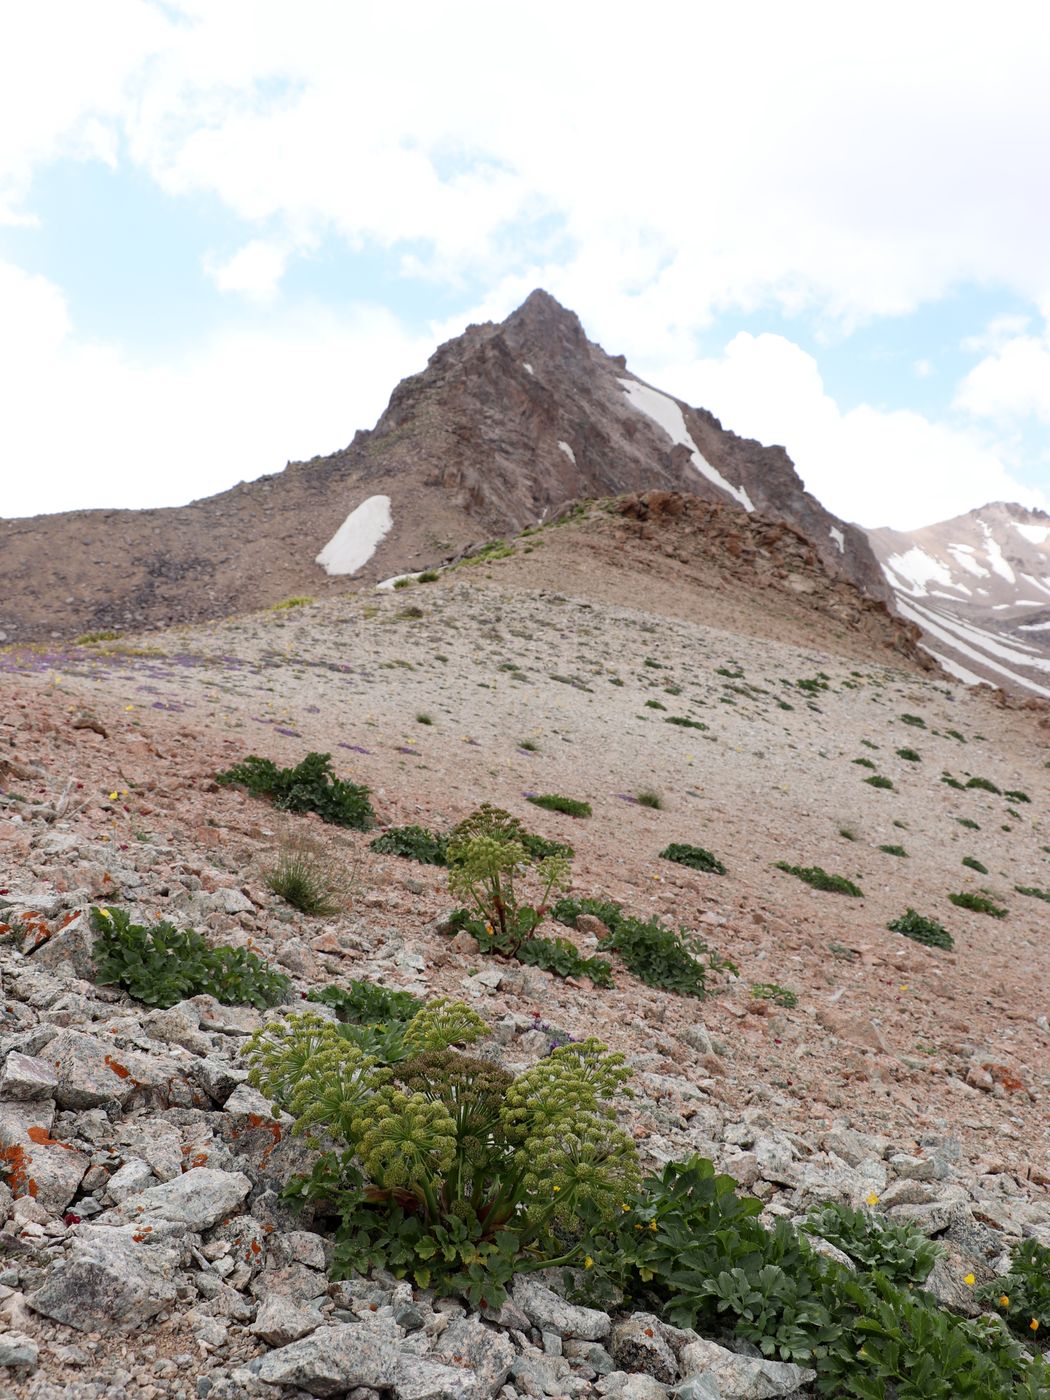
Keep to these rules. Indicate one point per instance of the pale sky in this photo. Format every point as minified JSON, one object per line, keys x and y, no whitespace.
{"x":229,"y":227}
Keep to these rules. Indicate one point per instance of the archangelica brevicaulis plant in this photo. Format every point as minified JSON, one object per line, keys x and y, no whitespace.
{"x":442,"y":1166}
{"x":491,"y":857}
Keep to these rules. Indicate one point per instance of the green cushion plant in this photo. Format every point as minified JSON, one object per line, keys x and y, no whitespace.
{"x":311,"y":786}
{"x":923,"y":930}
{"x":163,"y":964}
{"x":820,"y":879}
{"x":694,"y":857}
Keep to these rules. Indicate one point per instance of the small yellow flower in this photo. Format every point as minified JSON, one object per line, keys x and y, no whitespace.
{"x":652,"y":1224}
{"x":105,"y":914}
{"x":1004,"y":1300}
{"x":970,"y":1280}
{"x":624,"y":1206}
{"x":1034,"y":1324}
{"x":871,"y":1198}
{"x":588,"y":1263}
{"x":555,"y":1188}
{"x":113,"y":796}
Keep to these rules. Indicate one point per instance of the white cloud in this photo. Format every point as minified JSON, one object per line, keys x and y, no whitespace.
{"x":255,"y":271}
{"x":653,"y":173}
{"x":864,"y":464}
{"x":712,"y":157}
{"x":87,"y":426}
{"x":1012,"y":382}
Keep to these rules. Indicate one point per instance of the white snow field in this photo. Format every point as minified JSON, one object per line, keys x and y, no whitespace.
{"x":837,"y":536}
{"x":667,"y":414}
{"x":915,"y":569}
{"x":568,"y":452}
{"x":354,"y":543}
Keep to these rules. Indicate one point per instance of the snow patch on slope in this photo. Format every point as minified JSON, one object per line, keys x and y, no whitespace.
{"x":946,"y":630}
{"x":837,"y":536}
{"x":1034,"y":534}
{"x":354,"y":543}
{"x":995,"y":556}
{"x":963,"y":554}
{"x":668,"y":415}
{"x":568,"y":452}
{"x":915,"y":569}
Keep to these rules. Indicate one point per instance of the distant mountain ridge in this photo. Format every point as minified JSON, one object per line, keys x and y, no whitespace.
{"x":505,"y":425}
{"x":979,"y":587}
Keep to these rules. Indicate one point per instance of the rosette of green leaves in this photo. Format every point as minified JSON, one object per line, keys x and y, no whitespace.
{"x":898,"y":1250}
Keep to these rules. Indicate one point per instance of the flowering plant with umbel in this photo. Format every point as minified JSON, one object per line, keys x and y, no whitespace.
{"x":442,"y":1166}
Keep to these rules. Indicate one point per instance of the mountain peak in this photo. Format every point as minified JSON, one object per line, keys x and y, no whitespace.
{"x":541,"y":320}
{"x":506,"y":424}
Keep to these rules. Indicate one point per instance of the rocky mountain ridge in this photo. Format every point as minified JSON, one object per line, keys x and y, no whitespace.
{"x":505,"y":425}
{"x":979,"y":587}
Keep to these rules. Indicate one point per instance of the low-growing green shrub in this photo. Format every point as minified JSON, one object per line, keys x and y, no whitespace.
{"x":367,"y":1003}
{"x":162,"y":965}
{"x":692,"y":1251}
{"x":847,"y":833}
{"x":655,"y":705}
{"x":647,"y":798}
{"x":89,"y":637}
{"x":412,"y":843}
{"x":446,"y":1168}
{"x":684,"y":723}
{"x":821,"y":880}
{"x":864,"y":763}
{"x":916,"y":721}
{"x":539,"y":848}
{"x":979,"y":904}
{"x":878,"y":781}
{"x":1033,"y":892}
{"x":310,"y":786}
{"x":922,"y":930}
{"x":695,"y":857}
{"x":951,"y":782}
{"x":968,"y":823}
{"x":983,"y":785}
{"x":1015,"y":795}
{"x":773,"y":991}
{"x":1022,"y":1294}
{"x":910,"y":755}
{"x":553,"y":802}
{"x":899,"y":1251}
{"x":659,"y":956}
{"x":428,"y":576}
{"x":893,"y":851}
{"x":972,"y":863}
